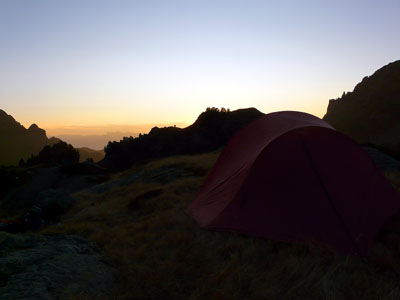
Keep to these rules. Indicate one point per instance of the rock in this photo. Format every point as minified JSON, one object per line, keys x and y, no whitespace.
{"x":383,"y":161}
{"x":52,"y":267}
{"x":53,"y":202}
{"x":25,"y":196}
{"x":33,"y":219}
{"x":66,"y":179}
{"x":47,"y":207}
{"x":43,"y":205}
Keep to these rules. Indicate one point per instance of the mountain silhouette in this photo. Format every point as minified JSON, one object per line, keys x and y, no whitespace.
{"x":18,"y":142}
{"x":371,"y":113}
{"x":86,"y":153}
{"x":212,"y":129}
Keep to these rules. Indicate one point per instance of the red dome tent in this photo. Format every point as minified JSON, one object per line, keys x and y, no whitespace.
{"x":290,"y":176}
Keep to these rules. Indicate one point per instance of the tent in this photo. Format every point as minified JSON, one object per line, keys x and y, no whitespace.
{"x":292,"y":177}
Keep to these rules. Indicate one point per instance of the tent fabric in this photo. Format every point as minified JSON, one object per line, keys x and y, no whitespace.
{"x":292,"y":177}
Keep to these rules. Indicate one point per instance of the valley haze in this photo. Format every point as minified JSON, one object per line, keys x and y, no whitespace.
{"x":97,"y":137}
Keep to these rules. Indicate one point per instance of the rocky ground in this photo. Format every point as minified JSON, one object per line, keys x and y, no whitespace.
{"x":34,"y":267}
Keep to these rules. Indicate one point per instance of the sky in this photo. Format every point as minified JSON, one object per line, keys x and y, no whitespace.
{"x":91,"y":64}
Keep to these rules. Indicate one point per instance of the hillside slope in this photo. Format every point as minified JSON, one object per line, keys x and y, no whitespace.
{"x":371,"y":113}
{"x":87,"y":153}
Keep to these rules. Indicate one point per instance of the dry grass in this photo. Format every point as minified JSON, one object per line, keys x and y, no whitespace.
{"x":161,"y":253}
{"x":394,"y":178}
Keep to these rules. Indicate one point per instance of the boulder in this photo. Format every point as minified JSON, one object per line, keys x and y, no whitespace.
{"x":53,"y":202}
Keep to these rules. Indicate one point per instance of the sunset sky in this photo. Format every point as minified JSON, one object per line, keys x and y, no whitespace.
{"x":91,"y":64}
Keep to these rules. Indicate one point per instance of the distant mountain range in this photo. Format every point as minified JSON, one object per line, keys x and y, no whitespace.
{"x":18,"y":143}
{"x":371,"y":113}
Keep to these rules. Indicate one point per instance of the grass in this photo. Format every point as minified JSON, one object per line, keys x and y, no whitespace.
{"x":161,"y":253}
{"x":394,"y":178}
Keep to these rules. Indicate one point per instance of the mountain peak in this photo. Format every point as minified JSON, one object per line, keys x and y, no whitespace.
{"x":37,"y":131}
{"x":17,"y":141}
{"x":7,"y":121}
{"x":33,"y":127}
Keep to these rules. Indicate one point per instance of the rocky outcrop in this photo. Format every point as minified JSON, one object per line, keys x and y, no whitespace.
{"x":53,"y":202}
{"x":35,"y":267}
{"x":47,"y":186}
{"x":24,"y":196}
{"x":371,"y":113}
{"x":42,"y":206}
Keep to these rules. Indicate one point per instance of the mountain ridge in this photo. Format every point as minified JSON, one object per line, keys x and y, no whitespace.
{"x":19,"y":142}
{"x":371,"y":112}
{"x":211,"y":130}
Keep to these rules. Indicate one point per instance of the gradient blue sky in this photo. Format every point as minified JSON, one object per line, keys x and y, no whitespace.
{"x":93,"y":63}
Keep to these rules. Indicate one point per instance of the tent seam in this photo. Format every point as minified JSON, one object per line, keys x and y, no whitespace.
{"x":338,"y":215}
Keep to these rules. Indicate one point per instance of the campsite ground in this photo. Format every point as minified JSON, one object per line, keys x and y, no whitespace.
{"x":161,"y":253}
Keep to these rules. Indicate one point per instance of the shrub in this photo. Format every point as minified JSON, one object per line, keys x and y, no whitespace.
{"x":59,"y":153}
